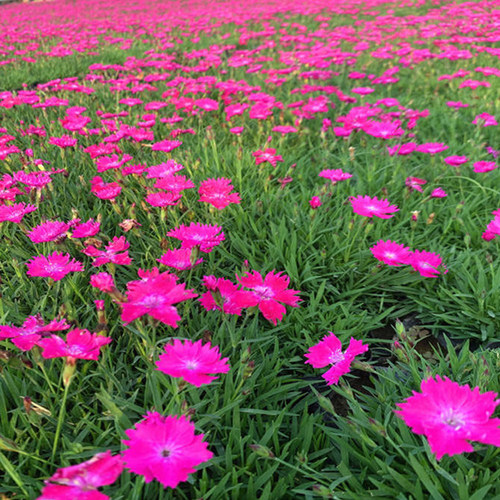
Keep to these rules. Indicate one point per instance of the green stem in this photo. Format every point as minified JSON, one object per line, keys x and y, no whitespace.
{"x":60,"y":421}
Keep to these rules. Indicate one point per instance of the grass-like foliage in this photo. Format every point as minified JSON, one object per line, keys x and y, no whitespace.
{"x":248,"y":250}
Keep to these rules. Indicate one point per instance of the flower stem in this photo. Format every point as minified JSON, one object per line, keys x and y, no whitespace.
{"x":60,"y":421}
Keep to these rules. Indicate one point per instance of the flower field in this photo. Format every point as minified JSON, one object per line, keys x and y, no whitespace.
{"x":249,"y":250}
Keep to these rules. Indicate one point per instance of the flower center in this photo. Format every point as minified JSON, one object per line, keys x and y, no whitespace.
{"x":451,"y":418}
{"x":264,"y":291}
{"x":165,"y":453}
{"x":191,"y":364}
{"x":336,"y":356}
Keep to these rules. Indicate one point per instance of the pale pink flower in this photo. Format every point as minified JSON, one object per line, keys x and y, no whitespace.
{"x":450,"y":415}
{"x":192,"y":361}
{"x":164,"y":448}
{"x":391,"y":253}
{"x":329,"y":352}
{"x":369,"y":207}
{"x":56,"y":266}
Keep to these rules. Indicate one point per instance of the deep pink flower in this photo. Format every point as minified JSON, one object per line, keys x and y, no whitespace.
{"x":27,"y":336}
{"x":456,"y":161}
{"x":486,"y":120}
{"x":268,"y":155}
{"x":391,"y":253}
{"x":414,"y":183}
{"x":402,"y":149}
{"x":86,"y":229}
{"x":82,"y":480}
{"x":179,"y":259}
{"x":236,"y":130}
{"x":155,"y":296}
{"x":223,"y":295}
{"x":48,"y":231}
{"x":272,"y":292}
{"x":163,"y":199}
{"x":105,"y":190}
{"x":115,"y":252}
{"x":65,"y":141}
{"x":163,"y":170}
{"x":315,"y":202}
{"x":164,"y":448}
{"x":204,"y":236}
{"x":484,"y":166}
{"x":431,"y":147}
{"x":103,"y":281}
{"x":166,"y":145}
{"x":426,"y":263}
{"x":335,"y":175}
{"x":217,"y":192}
{"x":284,"y":129}
{"x":79,"y":344}
{"x":369,"y":207}
{"x":192,"y":361}
{"x":493,"y":228}
{"x":56,"y":266}
{"x":174,"y":183}
{"x":450,"y":415}
{"x":15,"y":213}
{"x":329,"y":352}
{"x":383,"y":130}
{"x":439,"y":193}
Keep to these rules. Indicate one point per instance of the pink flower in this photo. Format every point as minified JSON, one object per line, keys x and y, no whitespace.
{"x":164,"y":169}
{"x":15,"y":213}
{"x":369,"y":207}
{"x":439,"y":193}
{"x":223,"y":295}
{"x":179,"y":259}
{"x":284,"y":129}
{"x":335,"y":175}
{"x":192,"y":361}
{"x":484,"y":166}
{"x":272,"y":292}
{"x":426,"y":263}
{"x":175,"y":183}
{"x":56,"y":266}
{"x":450,"y":415}
{"x":103,"y":190}
{"x":402,"y":149}
{"x":116,"y":252}
{"x":163,"y":199}
{"x":164,"y":448}
{"x":103,"y":281}
{"x":86,"y":229}
{"x":166,"y":146}
{"x":155,"y":296}
{"x":486,"y":120}
{"x":48,"y":231}
{"x":79,"y":344}
{"x":27,"y":336}
{"x":414,"y":183}
{"x":236,"y":130}
{"x":268,"y":155}
{"x":456,"y":161}
{"x":493,"y":228}
{"x":431,"y":147}
{"x":82,"y":480}
{"x":217,"y":192}
{"x":204,"y":236}
{"x":329,"y":352}
{"x":391,"y":253}
{"x":65,"y":141}
{"x":315,"y":202}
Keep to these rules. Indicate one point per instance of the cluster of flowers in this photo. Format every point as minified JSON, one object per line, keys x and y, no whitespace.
{"x":396,"y":254}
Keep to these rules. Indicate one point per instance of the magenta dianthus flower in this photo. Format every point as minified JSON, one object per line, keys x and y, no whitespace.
{"x":192,"y":361}
{"x":164,"y":448}
{"x":391,"y":253}
{"x":450,"y":415}
{"x":329,"y":352}
{"x":369,"y":207}
{"x":56,"y":266}
{"x":204,"y":236}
